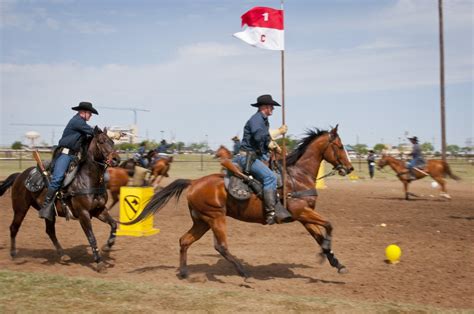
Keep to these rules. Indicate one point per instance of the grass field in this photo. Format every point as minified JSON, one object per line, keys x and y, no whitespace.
{"x":40,"y":293}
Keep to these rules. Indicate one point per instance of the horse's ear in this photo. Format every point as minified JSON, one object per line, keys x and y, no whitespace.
{"x":105,"y":130}
{"x":334,"y":130}
{"x":97,"y":130}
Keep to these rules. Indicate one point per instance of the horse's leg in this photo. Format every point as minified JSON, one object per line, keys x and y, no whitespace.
{"x":198,"y":229}
{"x":85,"y":220}
{"x":157,"y":181}
{"x":51,"y":231}
{"x":405,"y":187}
{"x":105,"y":217}
{"x":115,"y":198}
{"x":311,"y":220}
{"x":19,"y":213}
{"x":219,"y":227}
{"x":442,"y":184}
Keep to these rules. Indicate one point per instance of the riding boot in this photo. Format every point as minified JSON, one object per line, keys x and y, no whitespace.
{"x":47,"y":211}
{"x":269,"y":200}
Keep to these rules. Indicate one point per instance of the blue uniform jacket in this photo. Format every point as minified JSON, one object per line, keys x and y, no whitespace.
{"x":75,"y":131}
{"x":256,"y":135}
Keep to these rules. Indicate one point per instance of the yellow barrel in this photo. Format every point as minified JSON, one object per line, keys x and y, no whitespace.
{"x":320,"y":183}
{"x":132,"y":202}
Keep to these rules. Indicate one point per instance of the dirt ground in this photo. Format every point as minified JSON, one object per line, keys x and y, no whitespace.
{"x":436,"y":237}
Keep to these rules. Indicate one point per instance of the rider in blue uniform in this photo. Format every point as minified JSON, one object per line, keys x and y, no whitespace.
{"x":417,"y":157}
{"x":254,"y":150}
{"x":236,"y":147}
{"x":141,"y":154}
{"x":69,"y":146}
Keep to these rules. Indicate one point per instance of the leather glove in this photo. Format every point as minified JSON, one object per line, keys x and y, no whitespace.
{"x":277,"y":132}
{"x":113,"y":135}
{"x":274,"y":146}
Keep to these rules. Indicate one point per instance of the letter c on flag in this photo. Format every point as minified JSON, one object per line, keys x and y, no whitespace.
{"x":262,"y":38}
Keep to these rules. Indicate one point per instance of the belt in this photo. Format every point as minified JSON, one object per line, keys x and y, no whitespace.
{"x":68,"y":151}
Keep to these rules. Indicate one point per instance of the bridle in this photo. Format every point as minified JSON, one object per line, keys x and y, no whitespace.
{"x":109,"y":159}
{"x":339,"y":165}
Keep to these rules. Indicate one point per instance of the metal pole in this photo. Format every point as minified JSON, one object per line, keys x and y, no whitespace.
{"x":283,"y":175}
{"x":441,"y":78}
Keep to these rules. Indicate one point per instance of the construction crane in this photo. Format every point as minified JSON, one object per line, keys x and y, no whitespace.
{"x":129,"y":109}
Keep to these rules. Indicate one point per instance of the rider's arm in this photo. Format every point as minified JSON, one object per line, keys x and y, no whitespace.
{"x":81,"y":126}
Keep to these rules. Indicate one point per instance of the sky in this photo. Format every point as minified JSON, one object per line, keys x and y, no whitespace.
{"x":371,"y":66}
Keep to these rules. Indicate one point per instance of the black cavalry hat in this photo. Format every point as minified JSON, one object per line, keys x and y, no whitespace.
{"x":265,"y":100}
{"x":84,"y":105}
{"x":413,"y":139}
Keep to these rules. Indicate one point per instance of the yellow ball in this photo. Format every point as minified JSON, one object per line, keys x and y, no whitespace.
{"x":393,"y":253}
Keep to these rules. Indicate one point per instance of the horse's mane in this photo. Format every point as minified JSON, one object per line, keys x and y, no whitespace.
{"x":311,"y":134}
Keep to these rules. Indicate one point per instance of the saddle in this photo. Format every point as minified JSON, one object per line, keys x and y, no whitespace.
{"x":241,"y":187}
{"x":37,"y":181}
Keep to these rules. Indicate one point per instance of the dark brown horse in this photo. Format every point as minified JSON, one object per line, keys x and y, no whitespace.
{"x":437,"y":169}
{"x":209,"y":202}
{"x":86,"y":197}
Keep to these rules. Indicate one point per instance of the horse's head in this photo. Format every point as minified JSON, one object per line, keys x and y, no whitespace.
{"x":102,"y":147}
{"x":382,"y":161}
{"x":222,"y":152}
{"x":336,"y":154}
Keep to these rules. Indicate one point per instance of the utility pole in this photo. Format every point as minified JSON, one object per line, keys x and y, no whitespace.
{"x":441,"y":78}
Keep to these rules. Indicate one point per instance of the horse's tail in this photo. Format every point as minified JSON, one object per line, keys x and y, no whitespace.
{"x":8,"y":182}
{"x":447,"y":170}
{"x":160,"y":199}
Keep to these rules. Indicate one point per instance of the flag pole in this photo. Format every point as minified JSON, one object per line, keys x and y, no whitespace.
{"x":283,"y":174}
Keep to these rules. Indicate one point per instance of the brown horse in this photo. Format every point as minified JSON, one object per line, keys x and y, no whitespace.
{"x":223,"y":153}
{"x":86,"y":197}
{"x":118,"y":177}
{"x":437,"y":169}
{"x":160,"y":170}
{"x":209,"y":202}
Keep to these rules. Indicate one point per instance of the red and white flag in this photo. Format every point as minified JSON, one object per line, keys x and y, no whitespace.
{"x":264,"y":28}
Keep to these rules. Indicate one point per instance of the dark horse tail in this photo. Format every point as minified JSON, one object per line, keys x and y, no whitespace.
{"x":160,"y":199}
{"x":449,"y":173}
{"x":8,"y":182}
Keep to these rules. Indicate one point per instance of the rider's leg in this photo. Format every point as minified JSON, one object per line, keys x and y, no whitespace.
{"x":411,"y":174}
{"x":269,"y":180}
{"x":60,"y":167}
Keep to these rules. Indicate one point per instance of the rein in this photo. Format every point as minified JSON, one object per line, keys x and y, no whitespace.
{"x":335,"y":169}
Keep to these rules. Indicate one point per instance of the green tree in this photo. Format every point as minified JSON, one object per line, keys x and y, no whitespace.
{"x":453,"y":149}
{"x":17,"y":145}
{"x":290,"y":143}
{"x":179,"y":146}
{"x":378,"y":148}
{"x":126,"y":146}
{"x":360,"y":149}
{"x":427,"y":147}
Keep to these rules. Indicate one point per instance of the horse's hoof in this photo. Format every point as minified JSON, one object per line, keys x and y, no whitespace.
{"x":342,"y":270}
{"x":183,"y":274}
{"x":106,"y":248}
{"x":64,"y":258}
{"x":445,"y":195}
{"x":322,"y":258}
{"x":13,"y":254}
{"x":101,"y":267}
